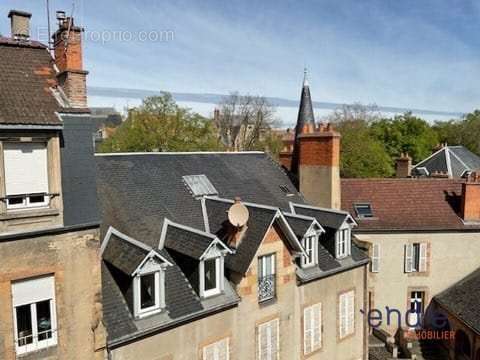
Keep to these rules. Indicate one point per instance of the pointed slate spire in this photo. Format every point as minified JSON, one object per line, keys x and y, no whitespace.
{"x":305,"y":117}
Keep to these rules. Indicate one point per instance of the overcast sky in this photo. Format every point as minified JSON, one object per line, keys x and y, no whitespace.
{"x":413,"y":54}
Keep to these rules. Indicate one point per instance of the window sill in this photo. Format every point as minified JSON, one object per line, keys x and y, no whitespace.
{"x":42,"y":352}
{"x":28,"y":213}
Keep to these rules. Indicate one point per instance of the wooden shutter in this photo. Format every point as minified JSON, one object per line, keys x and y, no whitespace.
{"x":25,"y":168}
{"x":217,"y":351}
{"x":307,"y":330}
{"x":317,"y":327}
{"x":351,"y":313}
{"x":342,"y":315}
{"x":423,"y":257}
{"x":375,"y":264}
{"x":268,"y":340}
{"x":209,"y":352}
{"x":408,"y":258}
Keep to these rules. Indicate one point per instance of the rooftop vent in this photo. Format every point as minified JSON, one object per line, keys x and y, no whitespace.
{"x":199,"y":185}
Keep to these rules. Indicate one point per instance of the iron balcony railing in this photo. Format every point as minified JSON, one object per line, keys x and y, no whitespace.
{"x":266,"y":287}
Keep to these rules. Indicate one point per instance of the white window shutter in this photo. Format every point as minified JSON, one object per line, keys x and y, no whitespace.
{"x":26,"y":170}
{"x":423,"y":257}
{"x":348,"y":241}
{"x":342,"y":315}
{"x":317,"y":327}
{"x":408,"y":258}
{"x":307,"y":330}
{"x":223,"y":349}
{"x":375,"y":264}
{"x":209,"y":352}
{"x":263,"y":342}
{"x":275,"y":348}
{"x":351,"y":313}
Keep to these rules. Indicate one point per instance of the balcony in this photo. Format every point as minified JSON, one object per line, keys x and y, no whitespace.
{"x":266,"y":288}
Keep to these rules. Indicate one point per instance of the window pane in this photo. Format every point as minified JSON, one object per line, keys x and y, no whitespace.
{"x":24,"y":325}
{"x":18,"y":200}
{"x":147,"y":291}
{"x":210,"y":274}
{"x":44,"y":320}
{"x":34,"y":199}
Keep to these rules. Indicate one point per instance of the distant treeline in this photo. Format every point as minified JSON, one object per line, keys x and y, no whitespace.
{"x":371,"y":143}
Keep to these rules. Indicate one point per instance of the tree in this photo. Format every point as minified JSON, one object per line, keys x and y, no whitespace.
{"x":159,"y":124}
{"x":464,"y":132}
{"x":362,"y":155}
{"x":406,"y":134}
{"x":244,"y":122}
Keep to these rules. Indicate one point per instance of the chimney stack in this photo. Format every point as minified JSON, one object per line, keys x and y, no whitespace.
{"x":67,"y":44}
{"x":403,"y":166}
{"x":471,"y":198}
{"x":20,"y":24}
{"x":319,"y":165}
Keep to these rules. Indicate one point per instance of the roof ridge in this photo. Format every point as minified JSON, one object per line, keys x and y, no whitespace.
{"x":183,"y":153}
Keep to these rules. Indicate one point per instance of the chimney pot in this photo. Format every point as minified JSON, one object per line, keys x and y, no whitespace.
{"x":20,"y":24}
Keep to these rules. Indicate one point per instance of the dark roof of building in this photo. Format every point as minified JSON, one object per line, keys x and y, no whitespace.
{"x":124,"y":255}
{"x":461,"y":300}
{"x":138,"y":192}
{"x":78,"y":171}
{"x":187,"y":242}
{"x":27,"y":77}
{"x":299,"y":224}
{"x":452,"y":160}
{"x":423,"y":204}
{"x":333,"y":219}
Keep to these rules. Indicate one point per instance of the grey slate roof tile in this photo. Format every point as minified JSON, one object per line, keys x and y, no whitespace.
{"x":461,"y":300}
{"x":326,"y":218}
{"x":186,"y":242}
{"x":124,"y":255}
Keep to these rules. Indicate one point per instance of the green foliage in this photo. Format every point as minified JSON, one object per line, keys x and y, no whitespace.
{"x":362,"y":156}
{"x":159,"y":124}
{"x":406,"y":134}
{"x":464,"y":132}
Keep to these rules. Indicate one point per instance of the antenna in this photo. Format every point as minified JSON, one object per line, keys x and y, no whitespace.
{"x":49,"y":30}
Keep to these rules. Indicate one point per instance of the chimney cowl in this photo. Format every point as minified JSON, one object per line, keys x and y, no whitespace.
{"x":20,"y":24}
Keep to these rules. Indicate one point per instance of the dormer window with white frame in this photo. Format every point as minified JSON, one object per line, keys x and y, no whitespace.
{"x":149,"y":287}
{"x":212,"y":268}
{"x":343,"y":242}
{"x":310,"y":244}
{"x":26,"y":175}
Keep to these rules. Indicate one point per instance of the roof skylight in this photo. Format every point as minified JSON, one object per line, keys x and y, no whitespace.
{"x":364,"y":210}
{"x":199,"y":185}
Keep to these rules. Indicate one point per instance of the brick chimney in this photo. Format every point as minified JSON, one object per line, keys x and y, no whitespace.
{"x":403,"y":166}
{"x":20,"y":25}
{"x":285,"y":155}
{"x":471,"y":198}
{"x":67,"y":43}
{"x":319,"y":165}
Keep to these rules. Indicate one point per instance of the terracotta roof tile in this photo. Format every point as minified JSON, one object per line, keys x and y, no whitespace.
{"x":406,"y":204}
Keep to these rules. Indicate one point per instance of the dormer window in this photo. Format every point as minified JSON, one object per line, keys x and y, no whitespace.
{"x":26,"y":175}
{"x":310,"y":245}
{"x":149,"y":288}
{"x":210,"y":272}
{"x":343,"y":243}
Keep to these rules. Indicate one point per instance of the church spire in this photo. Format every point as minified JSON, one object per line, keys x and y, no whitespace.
{"x":305,"y":117}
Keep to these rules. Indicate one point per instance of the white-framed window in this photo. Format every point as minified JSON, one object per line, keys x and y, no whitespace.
{"x":343,"y":243}
{"x":346,"y":314}
{"x":416,"y":257}
{"x":147,"y":293}
{"x":34,"y":314}
{"x":211,"y":276}
{"x":26,"y":174}
{"x":312,"y":328}
{"x":269,"y":340}
{"x":375,"y":258}
{"x":266,"y":277}
{"x":417,"y":303}
{"x":309,"y":243}
{"x":219,"y":350}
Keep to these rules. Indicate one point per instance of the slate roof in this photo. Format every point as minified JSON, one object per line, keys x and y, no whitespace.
{"x":326,"y":217}
{"x":192,"y":244}
{"x":453,"y":160}
{"x":422,"y":204}
{"x":299,"y":225}
{"x":137,"y":192}
{"x":124,"y":255}
{"x":78,"y":171}
{"x":27,"y":76}
{"x":461,"y":300}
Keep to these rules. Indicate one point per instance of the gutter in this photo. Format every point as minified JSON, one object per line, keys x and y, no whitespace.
{"x":409,"y":231}
{"x":50,"y":231}
{"x":334,"y":271}
{"x":124,"y":340}
{"x":30,"y":127}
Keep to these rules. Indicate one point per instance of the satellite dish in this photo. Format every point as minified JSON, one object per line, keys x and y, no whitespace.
{"x":238,"y":214}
